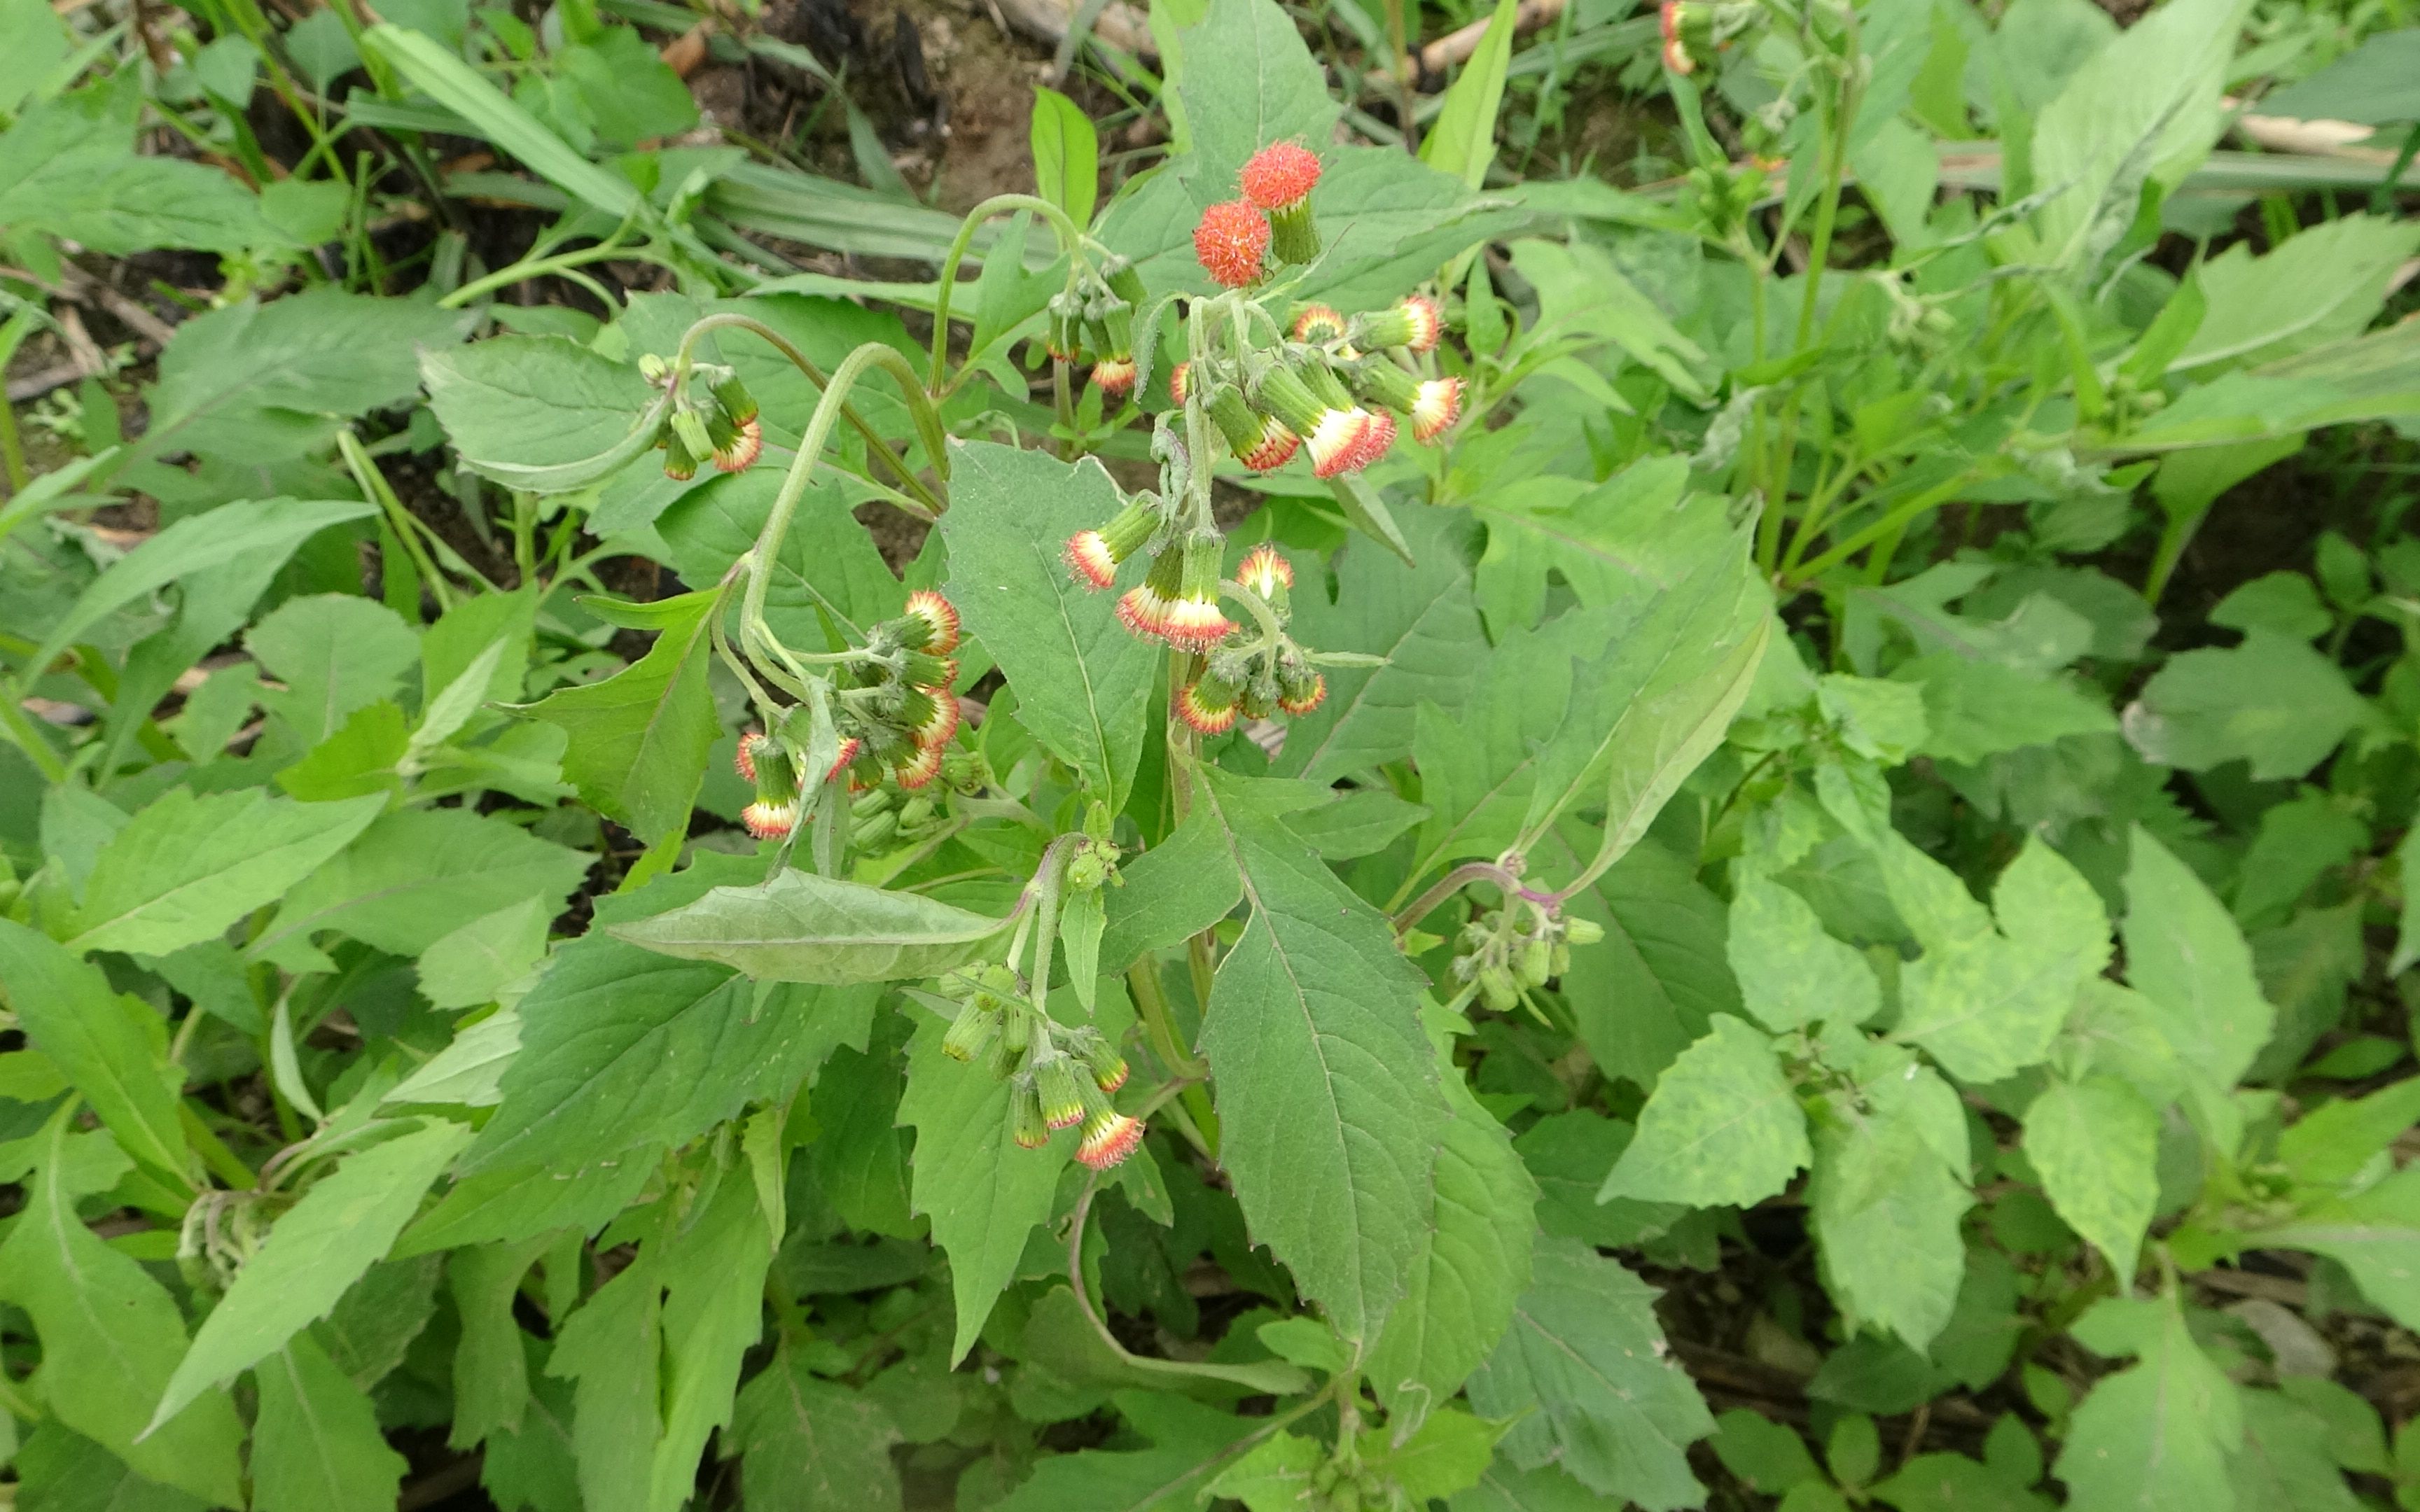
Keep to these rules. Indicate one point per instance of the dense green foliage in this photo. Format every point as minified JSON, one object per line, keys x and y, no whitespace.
{"x":770,"y":888}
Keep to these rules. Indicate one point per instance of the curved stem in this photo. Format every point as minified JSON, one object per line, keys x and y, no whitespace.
{"x":538,"y":267}
{"x":727,"y":320}
{"x":1451,"y":882}
{"x":1070,"y":239}
{"x":767,"y":549}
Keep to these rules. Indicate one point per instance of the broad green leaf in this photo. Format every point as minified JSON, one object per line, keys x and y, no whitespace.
{"x":335,"y":652}
{"x":1586,"y":1359}
{"x":640,"y":739}
{"x":455,"y":84}
{"x":1275,"y":1475}
{"x":1721,"y":1126}
{"x":2287,"y":1461}
{"x":2376,"y":83}
{"x":61,"y":1469}
{"x":1974,"y":709}
{"x":713,"y":1312}
{"x":471,"y":965}
{"x":115,"y":1061}
{"x":191,"y":547}
{"x":1327,"y":1093}
{"x":2156,"y":1437}
{"x":1650,"y":988}
{"x":1422,"y":619}
{"x":1886,"y":1206}
{"x":1505,"y":1487}
{"x":2369,"y":377}
{"x":1568,"y":1154}
{"x":1791,"y":973}
{"x":185,"y":867}
{"x":317,"y":1447}
{"x":983,"y":1193}
{"x":829,"y":565}
{"x":110,"y":1333}
{"x":418,"y":874}
{"x":1461,"y":140}
{"x":256,"y":383}
{"x":2374,"y":1234}
{"x":2145,"y":110}
{"x":491,"y":1388}
{"x":1190,"y":1444}
{"x":1447,"y":1454}
{"x":1172,"y":892}
{"x":2096,"y":1143}
{"x":621,"y":1046}
{"x":1066,"y":156}
{"x":613,"y":1349}
{"x":813,"y":1444}
{"x":1583,"y":295}
{"x":541,"y":413}
{"x":1083,"y":685}
{"x":1471,"y":1263}
{"x":2331,"y":1144}
{"x":1610,"y":543}
{"x":466,"y":1072}
{"x":2272,"y":702}
{"x":68,"y":172}
{"x":2184,"y":954}
{"x":347,"y":1220}
{"x":521,"y":1202}
{"x":2322,"y":284}
{"x":804,"y":928}
{"x":1767,"y":1456}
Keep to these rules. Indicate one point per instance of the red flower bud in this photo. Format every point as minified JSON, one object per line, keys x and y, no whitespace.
{"x":1231,"y":241}
{"x":941,"y":615}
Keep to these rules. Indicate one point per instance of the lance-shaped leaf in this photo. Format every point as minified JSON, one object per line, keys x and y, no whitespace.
{"x":2096,"y":1145}
{"x":109,"y":1332}
{"x":317,"y":1447}
{"x":541,"y":413}
{"x":801,"y":927}
{"x":109,"y":1047}
{"x":983,"y":1193}
{"x":1586,"y":1353}
{"x":2156,"y":1437}
{"x":1327,"y":1092}
{"x":813,"y":1444}
{"x":320,"y":1246}
{"x":2184,"y":952}
{"x":185,"y":867}
{"x":640,"y":739}
{"x":1083,"y":685}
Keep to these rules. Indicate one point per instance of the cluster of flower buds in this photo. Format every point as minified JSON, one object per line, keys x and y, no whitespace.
{"x":1235,"y":237}
{"x":1335,"y":389}
{"x":1340,"y":1487}
{"x":1504,"y":959}
{"x":1058,"y":1077}
{"x":899,"y":716}
{"x":1695,"y":30}
{"x":722,"y":426}
{"x":1257,"y":682}
{"x":1091,"y":320}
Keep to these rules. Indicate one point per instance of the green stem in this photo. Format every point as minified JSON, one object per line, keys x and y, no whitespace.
{"x":928,"y":420}
{"x":539,"y":267}
{"x":1071,"y":239}
{"x":370,"y":480}
{"x":14,"y":723}
{"x":767,"y":549}
{"x":1827,"y":209}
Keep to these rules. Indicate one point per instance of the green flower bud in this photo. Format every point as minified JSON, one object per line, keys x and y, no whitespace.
{"x":972,"y":1032}
{"x":1580,"y":930}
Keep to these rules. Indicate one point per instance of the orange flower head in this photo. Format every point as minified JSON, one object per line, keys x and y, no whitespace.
{"x":1231,"y":241}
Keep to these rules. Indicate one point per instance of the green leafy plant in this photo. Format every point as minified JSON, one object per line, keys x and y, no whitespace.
{"x":1341,"y":839}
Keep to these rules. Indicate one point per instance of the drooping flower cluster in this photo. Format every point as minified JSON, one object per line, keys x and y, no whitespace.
{"x":1257,"y":681}
{"x":1059,"y":1077}
{"x":898,"y":713}
{"x":1091,"y":320}
{"x":723,"y":427}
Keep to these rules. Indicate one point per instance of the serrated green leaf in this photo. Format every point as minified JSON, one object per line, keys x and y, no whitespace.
{"x":335,"y":652}
{"x":1886,"y":1204}
{"x":1505,"y":1487}
{"x":1722,"y":1126}
{"x":2285,"y":1460}
{"x":1189,"y":1444}
{"x":2095,"y":1144}
{"x":115,"y":1061}
{"x":1586,"y":1359}
{"x":59,"y":1470}
{"x":491,"y":1388}
{"x":2156,"y":1437}
{"x":1471,"y":1264}
{"x":2321,"y":285}
{"x":471,"y":965}
{"x":1447,"y":1454}
{"x":2184,"y":954}
{"x":983,"y":1193}
{"x":2272,"y":702}
{"x":813,"y":1444}
{"x":185,"y":867}
{"x":72,"y":174}
{"x":110,"y":1337}
{"x":1791,"y":973}
{"x":317,"y":1447}
{"x":191,"y":547}
{"x":612,"y":1348}
{"x":640,"y":739}
{"x":713,"y":1312}
{"x":541,"y":413}
{"x":804,"y":928}
{"x":2374,"y":1234}
{"x":1327,"y":1095}
{"x":1083,"y":685}
{"x":416,"y":875}
{"x":349,"y":1219}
